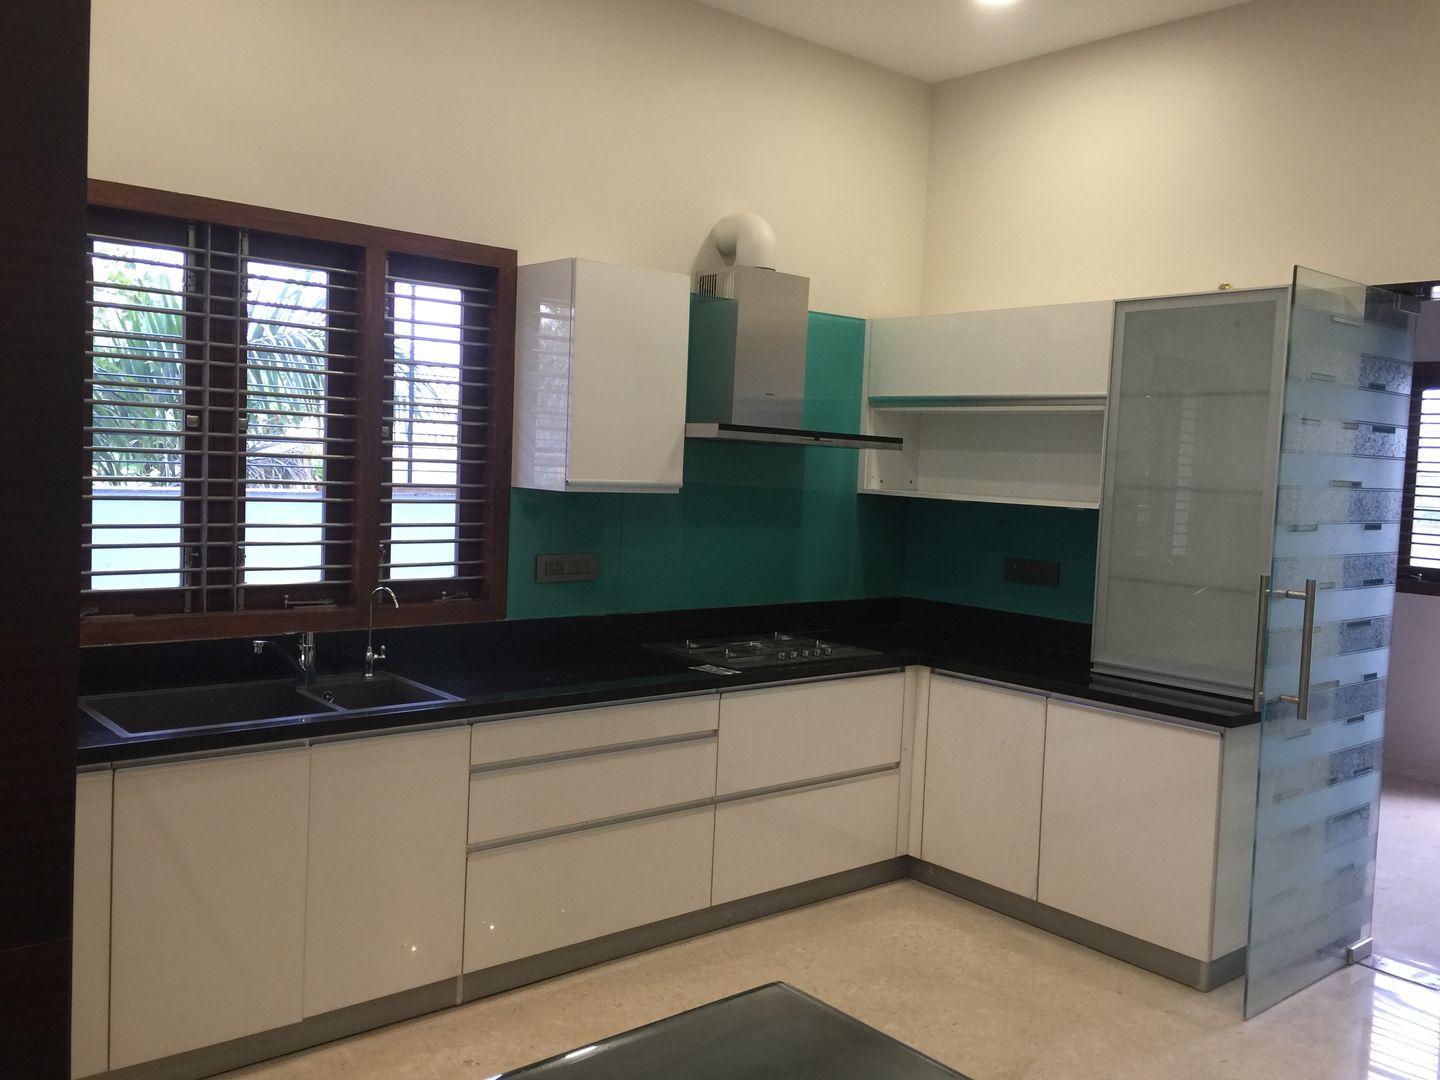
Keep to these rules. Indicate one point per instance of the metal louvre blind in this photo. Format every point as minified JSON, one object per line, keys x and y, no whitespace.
{"x":221,"y":428}
{"x":1422,"y":480}
{"x":438,"y":363}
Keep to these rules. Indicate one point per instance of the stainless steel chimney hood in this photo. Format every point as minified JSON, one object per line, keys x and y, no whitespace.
{"x":748,"y":330}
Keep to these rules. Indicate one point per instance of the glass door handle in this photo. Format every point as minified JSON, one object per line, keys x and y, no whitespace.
{"x":1301,"y":700}
{"x":1262,"y":628}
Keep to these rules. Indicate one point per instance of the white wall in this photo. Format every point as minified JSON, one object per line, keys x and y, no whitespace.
{"x":1412,"y":714}
{"x":618,"y":130}
{"x":1222,"y":148}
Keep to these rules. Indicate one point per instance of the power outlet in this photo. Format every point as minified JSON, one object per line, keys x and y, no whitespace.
{"x":550,"y":569}
{"x":1032,"y":571}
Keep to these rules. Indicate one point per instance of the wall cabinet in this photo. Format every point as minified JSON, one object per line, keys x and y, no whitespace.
{"x":385,"y":901}
{"x":208,"y":903}
{"x":601,"y":355}
{"x":984,"y":767}
{"x":994,"y":406}
{"x":90,"y":959}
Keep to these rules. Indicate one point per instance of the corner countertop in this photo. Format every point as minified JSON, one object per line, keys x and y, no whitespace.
{"x":551,"y":680}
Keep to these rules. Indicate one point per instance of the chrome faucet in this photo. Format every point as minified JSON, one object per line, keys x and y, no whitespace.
{"x":304,"y":666}
{"x":371,"y":654}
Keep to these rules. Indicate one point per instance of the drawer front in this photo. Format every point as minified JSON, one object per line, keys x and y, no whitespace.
{"x":545,"y":894}
{"x":588,"y":729}
{"x":554,"y":794}
{"x":791,"y":733}
{"x":777,"y":840}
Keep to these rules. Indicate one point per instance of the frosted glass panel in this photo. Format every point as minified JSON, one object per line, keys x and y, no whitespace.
{"x":1336,"y":523}
{"x":1185,"y":528}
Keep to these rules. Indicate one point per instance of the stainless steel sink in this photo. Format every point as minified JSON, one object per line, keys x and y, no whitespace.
{"x":226,"y":706}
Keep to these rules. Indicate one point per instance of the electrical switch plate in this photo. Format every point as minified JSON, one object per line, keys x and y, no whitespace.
{"x":1032,"y":571}
{"x":553,"y":568}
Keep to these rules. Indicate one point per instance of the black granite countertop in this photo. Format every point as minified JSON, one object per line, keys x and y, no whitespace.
{"x":496,"y":677}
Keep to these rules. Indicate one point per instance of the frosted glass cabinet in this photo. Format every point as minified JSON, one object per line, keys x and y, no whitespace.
{"x":1187,"y":521}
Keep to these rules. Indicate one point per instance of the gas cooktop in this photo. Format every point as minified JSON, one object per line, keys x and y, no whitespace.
{"x":747,"y":653}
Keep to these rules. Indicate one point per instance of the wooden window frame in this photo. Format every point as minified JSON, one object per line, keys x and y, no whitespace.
{"x":1408,"y":579}
{"x":373,"y":246}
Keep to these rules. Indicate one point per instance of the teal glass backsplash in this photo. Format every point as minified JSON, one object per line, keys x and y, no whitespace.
{"x":762,"y":524}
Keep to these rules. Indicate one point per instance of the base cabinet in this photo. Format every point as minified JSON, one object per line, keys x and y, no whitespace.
{"x":208,"y":906}
{"x":770,"y":841}
{"x":530,"y":897}
{"x":984,"y":767}
{"x":90,"y":958}
{"x":385,"y":902}
{"x":1128,"y":835}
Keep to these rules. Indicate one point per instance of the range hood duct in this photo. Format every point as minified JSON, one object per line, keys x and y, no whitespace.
{"x":748,"y":332}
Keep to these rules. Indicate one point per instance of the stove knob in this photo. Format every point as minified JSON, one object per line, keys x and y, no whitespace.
{"x":805,"y":653}
{"x":824,"y":650}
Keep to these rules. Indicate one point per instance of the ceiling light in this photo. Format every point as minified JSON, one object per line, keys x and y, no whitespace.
{"x":995,"y":3}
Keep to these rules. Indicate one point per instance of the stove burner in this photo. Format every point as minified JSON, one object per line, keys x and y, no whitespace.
{"x":741,"y":654}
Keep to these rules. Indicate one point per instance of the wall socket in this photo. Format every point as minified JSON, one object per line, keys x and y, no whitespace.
{"x":550,"y":569}
{"x":1032,"y":571}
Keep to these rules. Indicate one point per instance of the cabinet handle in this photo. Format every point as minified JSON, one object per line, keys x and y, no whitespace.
{"x":1301,"y":700}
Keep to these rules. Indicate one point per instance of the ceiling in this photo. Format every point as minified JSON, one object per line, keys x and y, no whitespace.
{"x":942,"y":39}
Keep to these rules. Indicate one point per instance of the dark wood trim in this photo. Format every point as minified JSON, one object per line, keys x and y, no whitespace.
{"x":1408,"y":579}
{"x":497,"y":504}
{"x":143,"y":200}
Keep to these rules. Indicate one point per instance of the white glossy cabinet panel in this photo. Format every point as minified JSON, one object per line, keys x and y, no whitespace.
{"x":791,"y":733}
{"x":984,"y":767}
{"x":90,"y":958}
{"x":1059,"y":350}
{"x":601,"y":357}
{"x":531,"y":897}
{"x":1129,"y":825}
{"x":512,"y":802}
{"x":385,"y":905}
{"x":772,"y":841}
{"x":208,"y":911}
{"x":497,"y":741}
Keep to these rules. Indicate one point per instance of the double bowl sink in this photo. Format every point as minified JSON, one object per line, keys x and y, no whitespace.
{"x":226,"y":706}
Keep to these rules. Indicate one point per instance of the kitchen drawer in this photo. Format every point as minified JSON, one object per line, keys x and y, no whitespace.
{"x":775,"y":840}
{"x":790,"y":733}
{"x":587,"y":729}
{"x":524,"y":799}
{"x":532,"y":897}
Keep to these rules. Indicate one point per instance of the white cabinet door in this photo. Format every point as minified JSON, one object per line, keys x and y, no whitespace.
{"x":771,"y":841}
{"x":601,"y":358}
{"x":805,"y":732}
{"x":1060,"y":350}
{"x":1129,"y":824}
{"x":208,"y":912}
{"x":984,"y":765}
{"x":385,"y":905}
{"x":554,"y":734}
{"x":90,"y":960}
{"x":528,"y":898}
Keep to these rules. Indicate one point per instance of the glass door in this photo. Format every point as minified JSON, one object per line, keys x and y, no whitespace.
{"x":1326,"y":616}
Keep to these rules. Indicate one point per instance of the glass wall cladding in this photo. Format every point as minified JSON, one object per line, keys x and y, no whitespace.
{"x":1338,"y":504}
{"x":287,"y":412}
{"x":136,"y":425}
{"x":1185,"y":525}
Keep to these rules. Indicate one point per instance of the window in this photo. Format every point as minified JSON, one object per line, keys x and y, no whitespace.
{"x":1420,"y":522}
{"x":284,"y":412}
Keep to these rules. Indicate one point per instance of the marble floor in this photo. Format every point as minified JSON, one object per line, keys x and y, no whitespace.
{"x":994,"y":998}
{"x":1406,"y":926}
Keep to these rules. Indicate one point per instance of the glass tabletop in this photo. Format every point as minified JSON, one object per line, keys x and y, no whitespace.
{"x":767,"y":1033}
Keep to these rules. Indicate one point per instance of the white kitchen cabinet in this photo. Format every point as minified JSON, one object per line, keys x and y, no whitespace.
{"x":984,"y":768}
{"x":208,"y":901}
{"x":385,"y":903}
{"x":531,"y":897}
{"x":601,"y":354}
{"x":1002,"y":406}
{"x":770,"y":841}
{"x":581,"y":730}
{"x":808,"y":731}
{"x":90,"y":958}
{"x":1129,"y":825}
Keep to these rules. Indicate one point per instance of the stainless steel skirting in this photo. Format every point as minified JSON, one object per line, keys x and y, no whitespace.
{"x":1199,"y":974}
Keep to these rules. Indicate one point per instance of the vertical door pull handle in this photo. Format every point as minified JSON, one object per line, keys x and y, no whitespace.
{"x":1301,"y":700}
